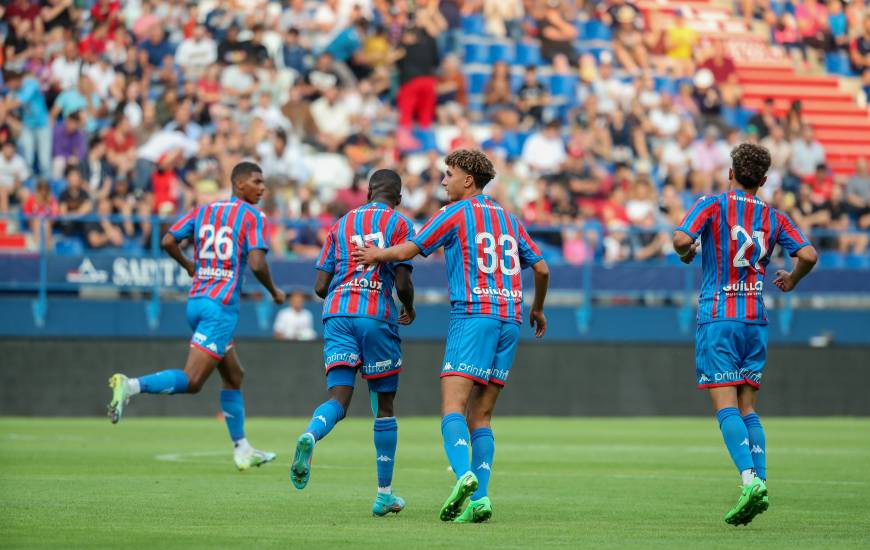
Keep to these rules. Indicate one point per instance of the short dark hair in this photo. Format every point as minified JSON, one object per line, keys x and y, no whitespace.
{"x":472,"y":162}
{"x":750,"y":164}
{"x":385,"y":182}
{"x":244,"y":170}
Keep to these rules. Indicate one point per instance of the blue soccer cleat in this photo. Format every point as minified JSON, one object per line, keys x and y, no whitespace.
{"x":386,"y":504}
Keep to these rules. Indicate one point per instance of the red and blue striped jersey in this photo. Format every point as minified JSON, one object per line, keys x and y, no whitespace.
{"x":223,"y":233}
{"x":486,"y":247}
{"x":357,"y":291}
{"x":738,"y":233}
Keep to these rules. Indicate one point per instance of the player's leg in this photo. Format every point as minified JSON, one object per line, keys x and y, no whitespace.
{"x":752,"y":371}
{"x":341,"y":358}
{"x":479,"y":413}
{"x":233,"y":407}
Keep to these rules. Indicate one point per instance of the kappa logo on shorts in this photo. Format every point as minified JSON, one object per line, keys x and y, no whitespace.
{"x":704,"y":379}
{"x":448,"y":366}
{"x":199,"y":337}
{"x":212,"y":347}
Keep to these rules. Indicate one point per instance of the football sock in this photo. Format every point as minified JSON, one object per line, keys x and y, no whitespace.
{"x":165,"y":381}
{"x":233,"y":407}
{"x":482,"y":453}
{"x":736,"y":437}
{"x":386,"y":432}
{"x":454,"y":430}
{"x":325,"y":417}
{"x":756,"y":440}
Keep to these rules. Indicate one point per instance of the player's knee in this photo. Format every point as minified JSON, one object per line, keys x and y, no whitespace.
{"x":195,"y":383}
{"x":479,"y":419}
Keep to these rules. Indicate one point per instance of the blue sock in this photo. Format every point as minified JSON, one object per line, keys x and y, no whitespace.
{"x":165,"y":381}
{"x":325,"y":417}
{"x":386,"y":439}
{"x":455,"y":432}
{"x":482,"y":453}
{"x":233,"y":406}
{"x":756,"y":439}
{"x":736,"y":437}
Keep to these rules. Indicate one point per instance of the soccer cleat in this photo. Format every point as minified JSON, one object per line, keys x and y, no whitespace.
{"x":120,"y":396}
{"x":385,"y":504}
{"x":753,"y":501}
{"x":477,"y":511}
{"x":465,"y":486}
{"x":251,"y":458}
{"x":300,"y":468}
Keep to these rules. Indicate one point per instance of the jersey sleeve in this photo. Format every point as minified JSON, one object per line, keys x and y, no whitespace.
{"x":438,"y":231}
{"x":698,"y":216}
{"x":183,"y":228}
{"x":404,"y":232}
{"x":257,"y":232}
{"x":530,"y":254}
{"x":790,"y":237}
{"x":326,"y":261}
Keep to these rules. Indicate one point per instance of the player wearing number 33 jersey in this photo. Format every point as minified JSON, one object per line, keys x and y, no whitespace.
{"x":486,"y":248}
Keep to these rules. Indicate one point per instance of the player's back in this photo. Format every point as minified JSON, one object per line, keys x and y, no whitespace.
{"x":486,"y":248}
{"x":357,"y":290}
{"x":223,"y":233}
{"x":738,"y":234}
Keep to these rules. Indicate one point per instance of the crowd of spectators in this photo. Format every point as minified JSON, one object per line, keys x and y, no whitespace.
{"x":117,"y":111}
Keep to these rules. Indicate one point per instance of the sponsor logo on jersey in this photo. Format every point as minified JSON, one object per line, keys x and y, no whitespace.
{"x":484,"y":291}
{"x":487,"y":206}
{"x":364,"y":284}
{"x":743,"y":287}
{"x":214,"y":273}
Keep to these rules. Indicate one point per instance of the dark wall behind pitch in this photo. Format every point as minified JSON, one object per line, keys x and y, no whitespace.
{"x":69,"y":378}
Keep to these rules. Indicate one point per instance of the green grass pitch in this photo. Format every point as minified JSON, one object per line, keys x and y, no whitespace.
{"x":595,"y":483}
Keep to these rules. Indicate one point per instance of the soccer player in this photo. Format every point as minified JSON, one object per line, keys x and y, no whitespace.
{"x":226,"y":235}
{"x":738,"y":233}
{"x":486,"y":249}
{"x":359,"y":329}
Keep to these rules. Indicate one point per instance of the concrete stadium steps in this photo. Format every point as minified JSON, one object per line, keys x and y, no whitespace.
{"x":837,"y":137}
{"x":792,"y":92}
{"x":756,"y":77}
{"x":809,"y":107}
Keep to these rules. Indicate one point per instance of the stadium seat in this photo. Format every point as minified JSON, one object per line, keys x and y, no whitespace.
{"x":477,"y":82}
{"x":528,"y":53}
{"x":476,"y":52}
{"x":596,"y":30}
{"x":563,"y":85}
{"x":501,"y":51}
{"x":838,"y":63}
{"x":69,"y":246}
{"x":516,"y":81}
{"x":665,"y":85}
{"x":473,"y":25}
{"x":736,"y":117}
{"x":426,"y":139}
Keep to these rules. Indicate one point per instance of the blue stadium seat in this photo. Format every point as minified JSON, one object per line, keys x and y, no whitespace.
{"x":426,"y":139}
{"x":595,"y":30}
{"x":516,"y":81}
{"x":563,"y":85}
{"x":831,"y":259}
{"x":473,"y":24}
{"x":69,"y":246}
{"x":477,"y":82}
{"x":501,"y":51}
{"x":476,"y":52}
{"x":857,"y":261}
{"x":838,"y":63}
{"x":665,"y":85}
{"x":521,"y":140}
{"x":57,"y":185}
{"x":736,"y":117}
{"x":528,"y":53}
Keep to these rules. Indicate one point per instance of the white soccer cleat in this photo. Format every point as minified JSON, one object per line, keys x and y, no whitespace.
{"x":252,"y":457}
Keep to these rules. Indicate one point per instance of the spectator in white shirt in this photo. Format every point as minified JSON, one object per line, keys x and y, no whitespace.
{"x":66,"y":69}
{"x":13,"y":172}
{"x":332,"y":117}
{"x":196,"y":53}
{"x":544,"y":151}
{"x":295,"y":322}
{"x":806,"y":154}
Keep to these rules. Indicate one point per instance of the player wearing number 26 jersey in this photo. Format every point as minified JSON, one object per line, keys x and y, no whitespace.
{"x":738,"y":233}
{"x":226,"y":235}
{"x":486,"y":248}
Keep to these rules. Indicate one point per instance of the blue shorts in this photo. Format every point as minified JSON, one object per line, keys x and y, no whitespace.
{"x":480,"y":348}
{"x":730,"y":353}
{"x":213,"y":326}
{"x":370,"y":344}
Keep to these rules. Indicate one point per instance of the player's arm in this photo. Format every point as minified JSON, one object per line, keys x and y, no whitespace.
{"x":693,"y":223}
{"x":372,"y":255}
{"x":537,"y":319}
{"x":685,"y":246}
{"x":171,"y":245}
{"x":405,"y":292}
{"x":805,"y":260}
{"x":260,"y":268}
{"x":321,"y":284}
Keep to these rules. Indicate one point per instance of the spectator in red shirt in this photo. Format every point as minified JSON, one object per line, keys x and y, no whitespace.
{"x":42,"y":205}
{"x":166,"y":185}
{"x":821,"y":183}
{"x":121,"y":145}
{"x":24,"y":23}
{"x":724,"y":73}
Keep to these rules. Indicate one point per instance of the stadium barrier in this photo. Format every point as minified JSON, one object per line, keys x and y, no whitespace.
{"x":66,"y":377}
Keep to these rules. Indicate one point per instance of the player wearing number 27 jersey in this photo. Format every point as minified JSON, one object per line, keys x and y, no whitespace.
{"x":738,"y":233}
{"x":486,"y":248}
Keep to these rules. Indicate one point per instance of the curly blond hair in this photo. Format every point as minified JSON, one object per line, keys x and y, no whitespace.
{"x":474,"y":163}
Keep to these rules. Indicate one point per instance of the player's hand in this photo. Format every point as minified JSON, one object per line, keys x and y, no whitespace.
{"x":366,"y":256}
{"x":687,"y":259}
{"x":784,"y":281}
{"x":191,"y":270}
{"x":407,"y":316}
{"x":538,"y":321}
{"x":279,"y":297}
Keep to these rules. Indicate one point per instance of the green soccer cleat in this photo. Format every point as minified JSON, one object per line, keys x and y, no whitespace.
{"x":477,"y":511}
{"x":120,"y":397}
{"x":252,"y":458}
{"x":386,"y":504}
{"x":753,"y":501}
{"x":300,"y":468}
{"x":465,"y":486}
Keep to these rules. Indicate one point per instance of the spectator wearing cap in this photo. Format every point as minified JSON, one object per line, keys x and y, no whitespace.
{"x":707,"y":97}
{"x":36,"y":135}
{"x":13,"y":173}
{"x":69,"y":144}
{"x":294,"y":322}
